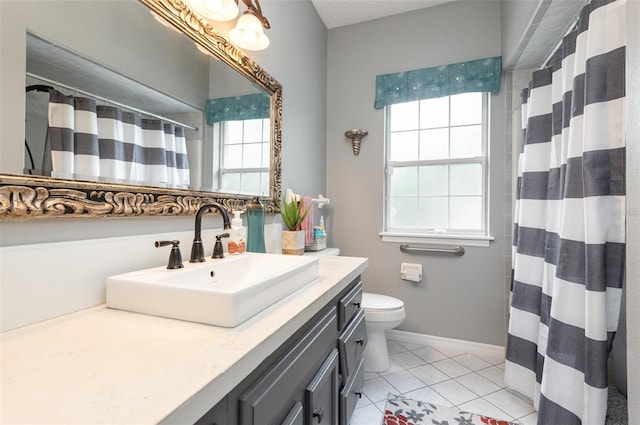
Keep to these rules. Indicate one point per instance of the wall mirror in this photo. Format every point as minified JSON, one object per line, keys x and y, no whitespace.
{"x":219,"y":111}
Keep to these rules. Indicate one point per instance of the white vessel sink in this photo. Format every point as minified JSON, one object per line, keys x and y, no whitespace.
{"x":222,"y":292}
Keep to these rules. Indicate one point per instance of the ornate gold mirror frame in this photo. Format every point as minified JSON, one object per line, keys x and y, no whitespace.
{"x":23,"y":196}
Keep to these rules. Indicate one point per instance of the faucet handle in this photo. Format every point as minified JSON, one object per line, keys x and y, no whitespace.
{"x":175,"y":258}
{"x":218,"y":250}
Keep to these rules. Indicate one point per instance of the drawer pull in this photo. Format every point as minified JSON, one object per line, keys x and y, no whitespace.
{"x":359,"y":394}
{"x":356,"y":304}
{"x":360,"y":341}
{"x":318,"y":414}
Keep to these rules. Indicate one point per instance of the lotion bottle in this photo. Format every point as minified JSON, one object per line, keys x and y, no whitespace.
{"x":238,"y":236}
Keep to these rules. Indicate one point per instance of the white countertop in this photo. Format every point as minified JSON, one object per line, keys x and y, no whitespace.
{"x":108,"y":366}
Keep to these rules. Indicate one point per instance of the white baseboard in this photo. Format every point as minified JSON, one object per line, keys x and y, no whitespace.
{"x":446,"y":343}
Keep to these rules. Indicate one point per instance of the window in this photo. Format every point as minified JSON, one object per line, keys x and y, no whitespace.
{"x":436,"y":167}
{"x":244,"y":155}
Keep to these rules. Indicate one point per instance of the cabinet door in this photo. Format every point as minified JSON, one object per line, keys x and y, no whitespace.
{"x":321,"y":396}
{"x":295,"y":416}
{"x":351,"y":393}
{"x":269,"y":399}
{"x":351,"y":344}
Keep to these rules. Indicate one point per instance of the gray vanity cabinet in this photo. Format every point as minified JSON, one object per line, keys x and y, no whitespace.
{"x":295,"y":416}
{"x":351,"y":343}
{"x":315,"y":378}
{"x":298,"y":377}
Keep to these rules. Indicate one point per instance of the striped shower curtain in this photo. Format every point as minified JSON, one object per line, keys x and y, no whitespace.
{"x":94,"y":142}
{"x":569,"y":233}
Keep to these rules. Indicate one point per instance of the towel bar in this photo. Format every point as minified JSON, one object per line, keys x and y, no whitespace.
{"x":456,"y":250}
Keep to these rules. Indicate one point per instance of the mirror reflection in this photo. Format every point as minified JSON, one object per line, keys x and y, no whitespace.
{"x":197,"y":125}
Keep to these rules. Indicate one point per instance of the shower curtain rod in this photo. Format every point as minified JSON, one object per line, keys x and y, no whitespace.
{"x":545,"y":64}
{"x":104,"y":99}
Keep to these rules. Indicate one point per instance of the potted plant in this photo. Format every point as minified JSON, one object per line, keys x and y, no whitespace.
{"x":293,"y":215}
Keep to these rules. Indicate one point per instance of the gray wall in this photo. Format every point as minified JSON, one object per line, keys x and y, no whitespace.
{"x":459,"y":297}
{"x":296,"y":58}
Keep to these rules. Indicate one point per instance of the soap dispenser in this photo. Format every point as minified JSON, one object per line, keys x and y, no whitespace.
{"x":238,"y":236}
{"x":255,"y":222}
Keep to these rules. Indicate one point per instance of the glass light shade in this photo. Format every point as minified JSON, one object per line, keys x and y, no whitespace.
{"x":248,"y":33}
{"x":216,"y":10}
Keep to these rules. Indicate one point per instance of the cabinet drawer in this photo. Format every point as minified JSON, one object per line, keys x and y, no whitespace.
{"x":351,"y":345}
{"x":269,"y":400}
{"x":351,"y":393}
{"x":321,"y":395}
{"x":349,"y":305}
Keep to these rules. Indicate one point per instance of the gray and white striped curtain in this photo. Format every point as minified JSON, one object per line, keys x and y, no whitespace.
{"x":104,"y":142}
{"x":569,"y":233}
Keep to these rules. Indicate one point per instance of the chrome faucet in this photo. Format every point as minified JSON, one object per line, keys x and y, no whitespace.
{"x":197,"y":251}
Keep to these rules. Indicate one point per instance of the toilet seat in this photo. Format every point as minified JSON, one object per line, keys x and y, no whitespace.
{"x":381,"y":308}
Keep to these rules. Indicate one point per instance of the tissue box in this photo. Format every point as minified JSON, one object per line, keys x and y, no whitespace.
{"x":318,"y":244}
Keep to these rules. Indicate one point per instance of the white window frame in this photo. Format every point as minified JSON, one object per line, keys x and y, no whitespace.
{"x":480,"y":237}
{"x":238,"y":170}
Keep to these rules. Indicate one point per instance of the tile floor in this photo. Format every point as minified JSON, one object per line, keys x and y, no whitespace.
{"x":471,"y":381}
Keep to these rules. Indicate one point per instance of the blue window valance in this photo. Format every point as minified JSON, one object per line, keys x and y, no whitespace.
{"x":482,"y":75}
{"x":235,"y":108}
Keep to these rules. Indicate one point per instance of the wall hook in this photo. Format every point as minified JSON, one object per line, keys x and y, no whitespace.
{"x":356,"y":137}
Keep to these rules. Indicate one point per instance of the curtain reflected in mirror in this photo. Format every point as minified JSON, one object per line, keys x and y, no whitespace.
{"x":87,"y":138}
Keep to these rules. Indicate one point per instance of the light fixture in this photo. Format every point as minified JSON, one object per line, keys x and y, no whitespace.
{"x":217,"y":10}
{"x":248,"y":33}
{"x":249,"y":30}
{"x":356,"y":137}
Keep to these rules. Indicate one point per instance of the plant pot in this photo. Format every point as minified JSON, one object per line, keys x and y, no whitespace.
{"x":293,"y":242}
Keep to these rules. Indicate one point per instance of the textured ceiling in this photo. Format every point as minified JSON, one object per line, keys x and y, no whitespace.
{"x":338,"y":13}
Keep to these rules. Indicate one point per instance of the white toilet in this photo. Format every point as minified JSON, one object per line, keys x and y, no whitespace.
{"x":381,"y":313}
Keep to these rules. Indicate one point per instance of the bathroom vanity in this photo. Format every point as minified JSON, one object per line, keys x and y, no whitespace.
{"x":297,"y":362}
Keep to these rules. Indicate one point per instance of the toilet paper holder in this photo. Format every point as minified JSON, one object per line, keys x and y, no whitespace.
{"x":411,"y":272}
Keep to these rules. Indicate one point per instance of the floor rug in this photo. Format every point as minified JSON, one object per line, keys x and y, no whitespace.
{"x":400,"y":410}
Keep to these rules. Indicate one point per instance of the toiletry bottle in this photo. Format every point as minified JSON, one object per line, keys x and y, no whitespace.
{"x":238,"y":236}
{"x":255,"y":222}
{"x":321,"y":226}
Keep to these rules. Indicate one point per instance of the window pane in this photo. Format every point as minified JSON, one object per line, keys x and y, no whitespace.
{"x":253,"y":131}
{"x":230,"y":182}
{"x":434,"y":112}
{"x":266,"y":130}
{"x":433,"y":212}
{"x":404,"y":146}
{"x":466,"y":142}
{"x":434,"y":144}
{"x":265,"y":155}
{"x":466,"y":108}
{"x":403,"y":212}
{"x":232,"y":156}
{"x":404,"y":116}
{"x":250,"y":183}
{"x":252,"y":157}
{"x":434,"y":180}
{"x":404,"y":181}
{"x":466,"y":212}
{"x":264,"y":184}
{"x":232,"y":132}
{"x":466,"y":179}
